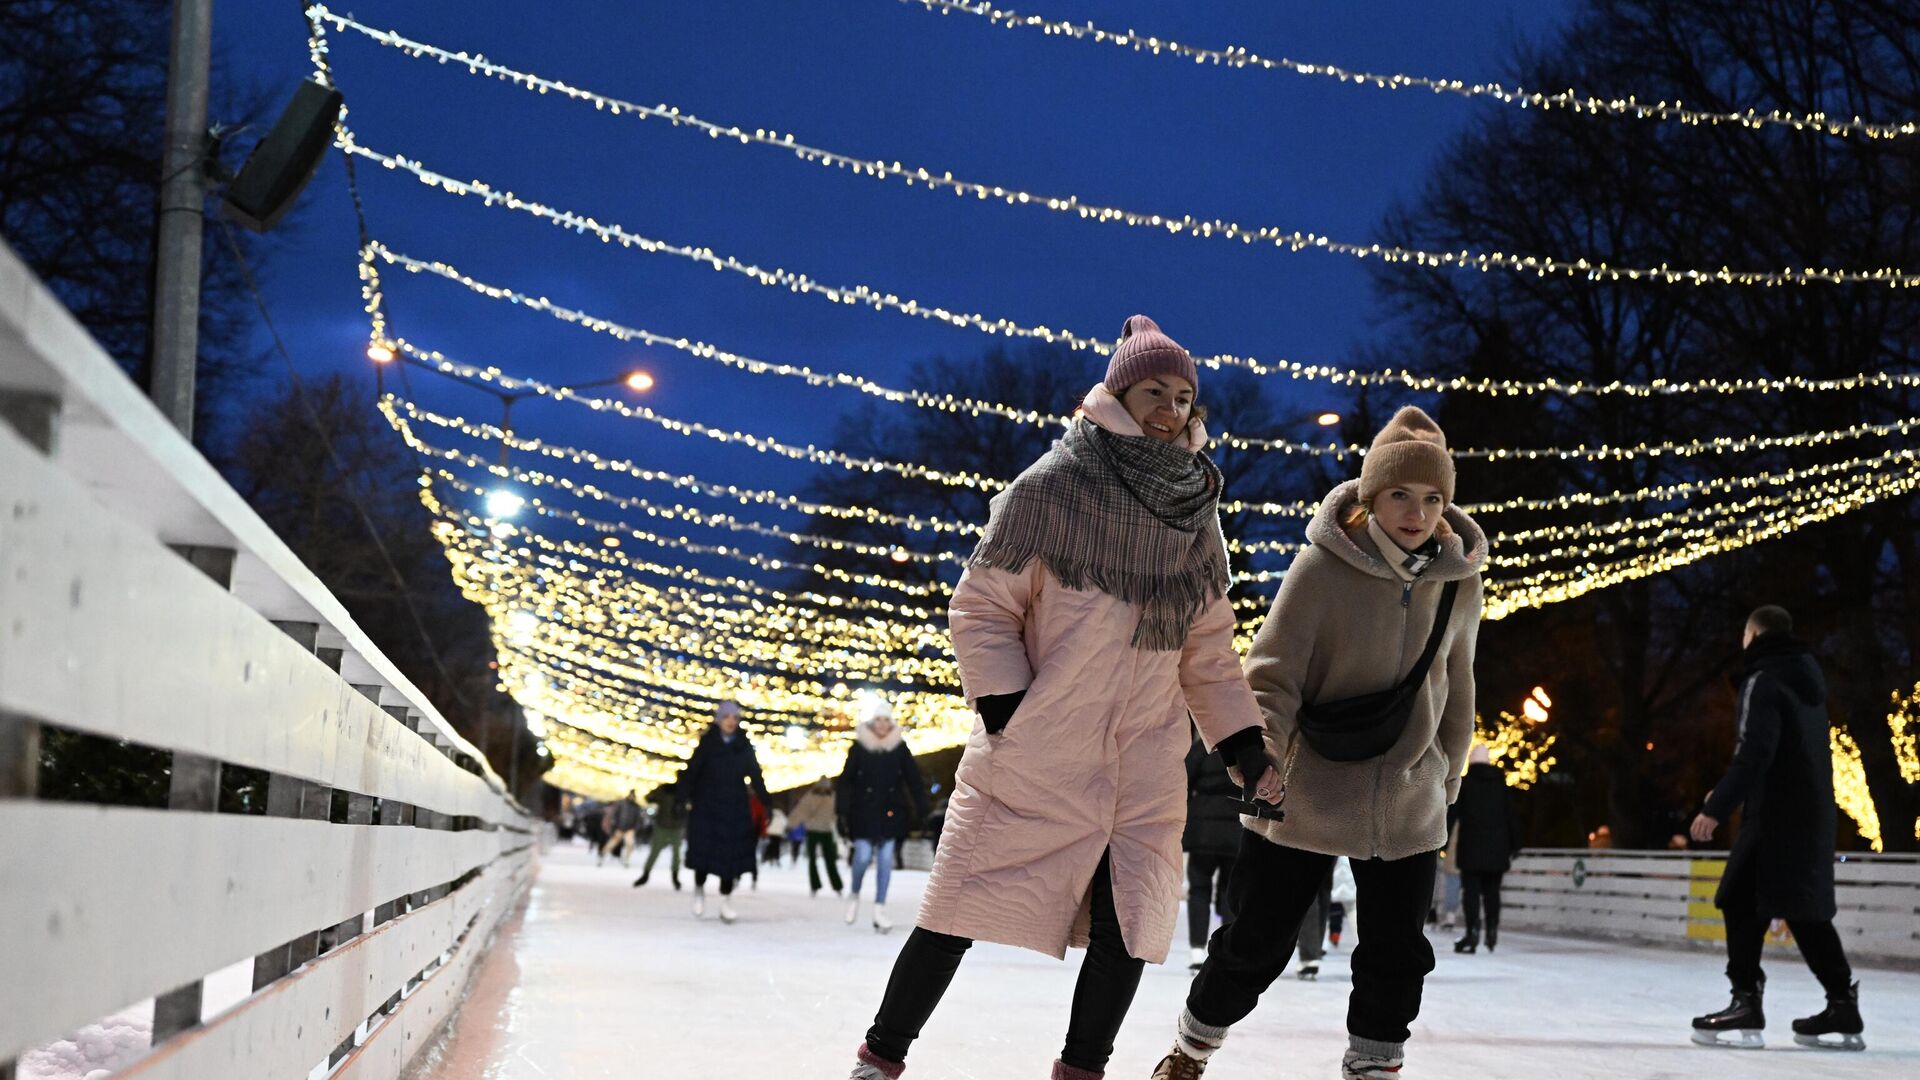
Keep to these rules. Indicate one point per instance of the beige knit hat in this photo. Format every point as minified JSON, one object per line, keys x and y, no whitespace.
{"x":1145,"y":352}
{"x":1410,"y":449}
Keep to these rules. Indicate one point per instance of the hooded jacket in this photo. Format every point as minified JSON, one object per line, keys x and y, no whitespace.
{"x":1090,"y":763}
{"x":1782,"y":774}
{"x":1346,"y":624}
{"x":879,"y":786}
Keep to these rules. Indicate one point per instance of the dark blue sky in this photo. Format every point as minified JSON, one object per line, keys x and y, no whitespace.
{"x":871,"y":78}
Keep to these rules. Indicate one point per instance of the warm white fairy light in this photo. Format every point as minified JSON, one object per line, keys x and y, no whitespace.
{"x":883,"y":300}
{"x":1504,"y":597}
{"x":1190,"y":225}
{"x":1235,"y":56}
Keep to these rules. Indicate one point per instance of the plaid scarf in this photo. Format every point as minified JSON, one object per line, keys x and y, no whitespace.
{"x":1130,"y":516}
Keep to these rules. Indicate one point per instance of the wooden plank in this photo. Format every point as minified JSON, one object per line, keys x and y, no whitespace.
{"x":215,"y":678}
{"x":103,"y":906}
{"x":408,"y":1029}
{"x":290,"y":1026}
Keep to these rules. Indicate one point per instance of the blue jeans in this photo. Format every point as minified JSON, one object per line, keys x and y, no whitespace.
{"x":864,"y":852}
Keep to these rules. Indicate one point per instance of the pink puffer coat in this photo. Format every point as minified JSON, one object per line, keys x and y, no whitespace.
{"x":1093,"y":760}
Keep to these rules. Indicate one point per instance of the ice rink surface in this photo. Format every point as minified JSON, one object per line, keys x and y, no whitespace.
{"x":603,"y":980}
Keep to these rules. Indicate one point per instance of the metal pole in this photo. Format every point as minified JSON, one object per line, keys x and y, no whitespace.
{"x":183,"y":195}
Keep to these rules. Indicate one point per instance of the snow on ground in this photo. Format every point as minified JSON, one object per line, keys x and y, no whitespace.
{"x":603,"y":980}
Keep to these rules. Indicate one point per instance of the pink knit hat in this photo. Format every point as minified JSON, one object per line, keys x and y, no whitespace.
{"x":1145,"y":352}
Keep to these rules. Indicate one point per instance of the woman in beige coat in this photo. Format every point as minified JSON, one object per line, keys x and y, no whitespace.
{"x":1091,"y":618}
{"x":1388,"y":554}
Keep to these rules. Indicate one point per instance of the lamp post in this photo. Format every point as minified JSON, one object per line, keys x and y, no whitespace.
{"x":638,"y":381}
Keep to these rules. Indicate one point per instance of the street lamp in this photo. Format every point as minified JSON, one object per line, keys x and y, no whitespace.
{"x":636,"y":380}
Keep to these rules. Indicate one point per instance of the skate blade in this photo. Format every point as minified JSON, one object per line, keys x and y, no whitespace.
{"x":1736,"y":1040}
{"x":1847,"y":1042}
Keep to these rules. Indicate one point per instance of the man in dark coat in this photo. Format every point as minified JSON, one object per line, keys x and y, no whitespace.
{"x":1781,"y":866}
{"x":721,"y":836}
{"x":1211,"y":840}
{"x":1489,"y":835}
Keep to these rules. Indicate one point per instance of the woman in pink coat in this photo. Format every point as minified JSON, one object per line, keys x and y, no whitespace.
{"x":1091,"y":619}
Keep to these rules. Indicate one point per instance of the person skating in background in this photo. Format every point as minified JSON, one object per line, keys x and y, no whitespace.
{"x":593,"y":827}
{"x":1312,"y":944}
{"x":878,"y":797}
{"x":669,"y":831}
{"x":1488,"y":837}
{"x":1386,"y":597}
{"x":776,"y":836}
{"x":623,"y":824}
{"x":814,"y":814}
{"x":1340,"y":907}
{"x":1211,"y":838}
{"x":1091,"y":619}
{"x":1781,"y":866}
{"x":718,"y":783}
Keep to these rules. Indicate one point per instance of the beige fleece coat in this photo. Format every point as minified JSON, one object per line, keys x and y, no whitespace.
{"x":814,"y":811}
{"x":1346,"y":624}
{"x":1093,"y":760}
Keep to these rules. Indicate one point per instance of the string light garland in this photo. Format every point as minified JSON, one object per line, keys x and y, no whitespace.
{"x":1520,"y":745}
{"x":1850,"y":790}
{"x":1504,"y":597}
{"x":1600,"y":452}
{"x":1903,"y":728}
{"x":1190,"y":225}
{"x":1234,"y":56}
{"x":882,"y":300}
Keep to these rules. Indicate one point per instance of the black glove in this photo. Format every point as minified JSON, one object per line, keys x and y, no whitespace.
{"x":1246,"y":751}
{"x":996,"y":709}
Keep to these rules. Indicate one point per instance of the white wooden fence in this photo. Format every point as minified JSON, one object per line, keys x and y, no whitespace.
{"x":141,"y":600}
{"x":1667,"y":896}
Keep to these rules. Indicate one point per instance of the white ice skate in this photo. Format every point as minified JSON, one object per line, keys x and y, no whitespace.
{"x":1195,"y":958}
{"x":853,"y":910}
{"x":881,"y":924}
{"x":699,"y":902}
{"x":727,"y":914}
{"x":1309,"y":971}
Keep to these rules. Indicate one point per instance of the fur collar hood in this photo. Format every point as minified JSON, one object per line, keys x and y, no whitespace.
{"x":870,"y":741}
{"x":1462,"y":555}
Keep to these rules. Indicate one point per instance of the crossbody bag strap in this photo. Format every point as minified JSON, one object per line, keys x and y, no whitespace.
{"x":1440,"y":617}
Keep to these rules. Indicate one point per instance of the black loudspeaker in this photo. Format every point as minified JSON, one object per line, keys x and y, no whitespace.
{"x":286,"y":159}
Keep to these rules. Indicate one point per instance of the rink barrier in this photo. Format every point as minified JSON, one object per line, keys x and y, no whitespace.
{"x":323,"y":839}
{"x":1666,"y":897}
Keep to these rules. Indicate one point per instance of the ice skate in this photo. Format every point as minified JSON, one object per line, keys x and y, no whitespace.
{"x":1736,"y":1027}
{"x":642,"y":879}
{"x":727,"y":914}
{"x":699,"y":902}
{"x":1309,"y":971}
{"x":1333,"y":940}
{"x":1468,"y":944}
{"x":1178,"y":1066}
{"x":676,"y":883}
{"x":881,"y":924}
{"x":1841,"y":1017}
{"x":853,"y":910}
{"x":1196,"y":958}
{"x":871,"y":1066}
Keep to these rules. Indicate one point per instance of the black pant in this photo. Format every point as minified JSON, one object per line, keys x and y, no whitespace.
{"x":1101,"y":997}
{"x":1477,"y":889}
{"x":726,"y":882}
{"x":1271,"y":890}
{"x":1747,"y":935}
{"x":822,"y":848}
{"x":1207,"y":877}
